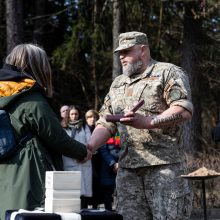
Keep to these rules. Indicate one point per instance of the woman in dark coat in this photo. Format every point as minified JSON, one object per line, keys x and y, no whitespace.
{"x":25,"y":84}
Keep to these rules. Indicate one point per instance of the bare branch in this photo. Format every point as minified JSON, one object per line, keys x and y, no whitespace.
{"x":49,"y":15}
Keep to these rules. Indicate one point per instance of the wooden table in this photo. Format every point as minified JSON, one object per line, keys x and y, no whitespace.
{"x":202,"y":179}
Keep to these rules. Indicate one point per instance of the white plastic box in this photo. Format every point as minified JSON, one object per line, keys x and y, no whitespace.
{"x":63,"y":180}
{"x":62,"y":205}
{"x":62,"y":194}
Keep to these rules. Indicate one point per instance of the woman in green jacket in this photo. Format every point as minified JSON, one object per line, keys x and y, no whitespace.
{"x":25,"y":85}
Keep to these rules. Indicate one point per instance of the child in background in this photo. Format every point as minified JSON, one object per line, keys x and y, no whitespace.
{"x":91,"y":117}
{"x":109,"y":166}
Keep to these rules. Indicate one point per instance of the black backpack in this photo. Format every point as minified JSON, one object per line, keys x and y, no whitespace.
{"x":8,"y":143}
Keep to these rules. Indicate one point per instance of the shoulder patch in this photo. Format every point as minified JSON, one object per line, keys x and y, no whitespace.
{"x":175,"y":94}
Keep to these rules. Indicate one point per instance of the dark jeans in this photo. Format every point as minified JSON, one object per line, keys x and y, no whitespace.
{"x":108,"y":196}
{"x":84,"y":202}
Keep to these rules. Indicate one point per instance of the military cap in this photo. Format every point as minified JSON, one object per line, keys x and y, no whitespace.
{"x":129,"y":39}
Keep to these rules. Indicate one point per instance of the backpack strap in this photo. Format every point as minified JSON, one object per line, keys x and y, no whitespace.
{"x":24,"y":139}
{"x":26,"y":135}
{"x":9,"y":144}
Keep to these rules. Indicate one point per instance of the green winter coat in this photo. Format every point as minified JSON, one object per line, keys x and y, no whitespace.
{"x":22,"y":176}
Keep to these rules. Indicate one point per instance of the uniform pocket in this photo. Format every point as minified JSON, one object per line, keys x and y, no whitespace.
{"x":177,"y":203}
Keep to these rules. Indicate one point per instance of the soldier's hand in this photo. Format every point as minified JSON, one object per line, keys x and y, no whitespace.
{"x":115,"y":167}
{"x":137,"y":121}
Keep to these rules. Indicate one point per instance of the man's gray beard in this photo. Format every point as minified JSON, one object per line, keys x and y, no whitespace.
{"x":132,"y":68}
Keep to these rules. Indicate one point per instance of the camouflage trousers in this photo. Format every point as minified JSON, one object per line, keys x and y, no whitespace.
{"x":153,"y":193}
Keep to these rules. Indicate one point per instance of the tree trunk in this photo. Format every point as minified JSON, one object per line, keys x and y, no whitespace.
{"x":2,"y":31}
{"x":116,"y":66}
{"x":39,"y":22}
{"x":192,"y":40}
{"x":14,"y":22}
{"x":94,"y":51}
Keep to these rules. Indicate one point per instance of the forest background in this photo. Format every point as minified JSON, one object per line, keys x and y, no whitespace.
{"x":80,"y":36}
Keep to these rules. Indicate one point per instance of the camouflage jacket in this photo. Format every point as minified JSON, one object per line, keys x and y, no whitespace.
{"x":161,"y":85}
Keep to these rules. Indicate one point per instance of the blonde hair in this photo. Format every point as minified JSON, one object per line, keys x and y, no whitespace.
{"x":92,"y":112}
{"x":33,"y":60}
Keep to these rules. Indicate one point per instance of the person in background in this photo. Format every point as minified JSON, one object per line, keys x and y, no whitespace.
{"x":26,"y":86}
{"x":152,"y":156}
{"x":76,"y":128}
{"x":109,"y":167}
{"x":63,"y":113}
{"x":91,"y":117}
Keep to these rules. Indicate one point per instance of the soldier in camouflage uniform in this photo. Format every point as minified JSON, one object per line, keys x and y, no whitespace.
{"x":152,"y":153}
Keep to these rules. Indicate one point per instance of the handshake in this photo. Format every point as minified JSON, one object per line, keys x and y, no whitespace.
{"x":90,"y":152}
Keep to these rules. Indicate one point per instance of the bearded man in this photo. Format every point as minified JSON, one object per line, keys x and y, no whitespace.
{"x":152,"y":158}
